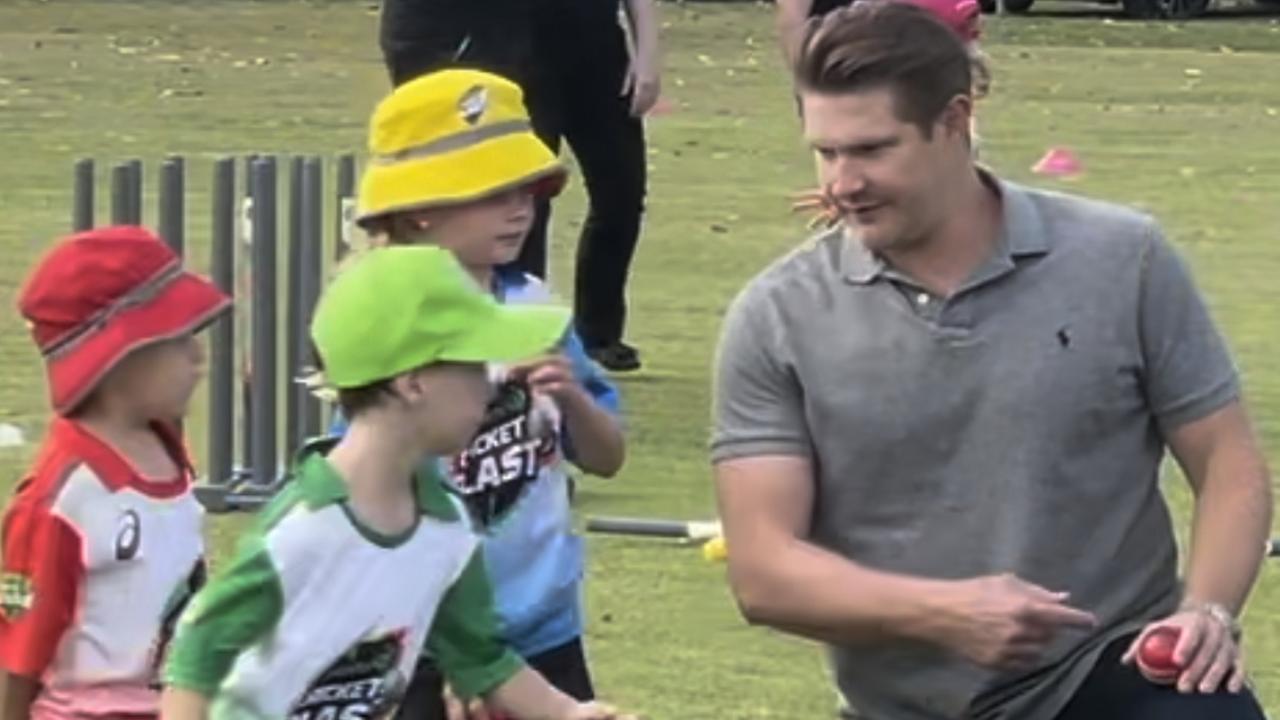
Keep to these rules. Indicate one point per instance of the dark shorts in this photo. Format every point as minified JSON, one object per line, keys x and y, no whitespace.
{"x":1113,"y":691}
{"x":564,"y":666}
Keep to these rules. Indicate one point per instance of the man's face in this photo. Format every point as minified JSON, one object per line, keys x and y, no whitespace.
{"x":889,"y":179}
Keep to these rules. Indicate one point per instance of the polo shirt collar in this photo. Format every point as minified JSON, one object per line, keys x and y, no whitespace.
{"x":1023,"y":234}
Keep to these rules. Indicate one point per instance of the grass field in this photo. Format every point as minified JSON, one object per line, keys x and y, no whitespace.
{"x":1180,"y":119}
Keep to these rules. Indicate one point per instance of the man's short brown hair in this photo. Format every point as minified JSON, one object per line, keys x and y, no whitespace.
{"x":886,"y":44}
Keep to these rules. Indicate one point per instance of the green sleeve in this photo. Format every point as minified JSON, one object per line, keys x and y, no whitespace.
{"x":464,"y":637}
{"x":232,"y":612}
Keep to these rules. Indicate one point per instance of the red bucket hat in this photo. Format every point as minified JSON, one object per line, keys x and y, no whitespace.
{"x":101,"y":294}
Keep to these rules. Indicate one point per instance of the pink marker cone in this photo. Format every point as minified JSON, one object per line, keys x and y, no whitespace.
{"x":1059,"y":162}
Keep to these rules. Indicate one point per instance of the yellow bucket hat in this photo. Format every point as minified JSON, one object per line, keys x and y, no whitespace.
{"x":452,"y":137}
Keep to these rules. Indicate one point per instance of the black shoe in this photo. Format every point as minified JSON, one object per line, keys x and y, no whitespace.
{"x":617,"y":357}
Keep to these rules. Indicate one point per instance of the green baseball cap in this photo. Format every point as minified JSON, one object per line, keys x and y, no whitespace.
{"x":398,"y":308}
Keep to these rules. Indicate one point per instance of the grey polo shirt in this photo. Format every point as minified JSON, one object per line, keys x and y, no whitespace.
{"x":1017,"y":426}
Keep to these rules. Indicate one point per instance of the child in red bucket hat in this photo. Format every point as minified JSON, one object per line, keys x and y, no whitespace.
{"x":102,"y":542}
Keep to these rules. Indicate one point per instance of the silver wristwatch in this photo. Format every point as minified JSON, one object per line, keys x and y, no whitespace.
{"x":1223,"y":616}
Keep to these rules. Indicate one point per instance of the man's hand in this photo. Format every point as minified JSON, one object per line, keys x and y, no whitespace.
{"x":1006,"y":623}
{"x":643,"y":82}
{"x":1207,"y":651}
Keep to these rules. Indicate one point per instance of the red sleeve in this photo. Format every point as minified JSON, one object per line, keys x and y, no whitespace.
{"x":40,"y":577}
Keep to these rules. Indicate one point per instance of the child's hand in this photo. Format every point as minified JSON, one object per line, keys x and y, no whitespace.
{"x":456,"y":709}
{"x":551,"y":375}
{"x":597,"y":711}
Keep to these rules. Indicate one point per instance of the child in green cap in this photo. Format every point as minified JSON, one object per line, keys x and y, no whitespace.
{"x":363,"y":559}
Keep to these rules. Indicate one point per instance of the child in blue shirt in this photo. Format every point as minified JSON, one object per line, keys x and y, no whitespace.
{"x":476,"y":172}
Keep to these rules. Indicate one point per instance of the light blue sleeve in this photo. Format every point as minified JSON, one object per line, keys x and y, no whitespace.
{"x":337,"y":426}
{"x":593,"y":380}
{"x":590,"y":376}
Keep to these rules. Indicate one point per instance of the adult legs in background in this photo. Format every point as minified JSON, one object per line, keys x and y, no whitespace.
{"x":543,"y":98}
{"x":609,"y":145}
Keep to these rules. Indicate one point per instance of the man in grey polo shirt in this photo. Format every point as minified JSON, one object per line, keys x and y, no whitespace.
{"x":938,"y":427}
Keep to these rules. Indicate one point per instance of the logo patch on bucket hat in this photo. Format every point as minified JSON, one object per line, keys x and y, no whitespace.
{"x":473,"y":104}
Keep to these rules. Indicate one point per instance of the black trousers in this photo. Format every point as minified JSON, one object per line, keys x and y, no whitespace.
{"x":590,"y":113}
{"x":1119,"y":692}
{"x":573,"y":93}
{"x":565,"y":667}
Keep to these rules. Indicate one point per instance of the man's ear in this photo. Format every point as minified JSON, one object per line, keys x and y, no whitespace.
{"x":957,"y":116}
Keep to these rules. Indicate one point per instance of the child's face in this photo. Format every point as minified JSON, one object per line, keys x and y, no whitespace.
{"x":481,"y":234}
{"x":158,"y":380}
{"x":451,"y":404}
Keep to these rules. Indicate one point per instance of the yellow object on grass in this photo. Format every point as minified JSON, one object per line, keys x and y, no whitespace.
{"x":715,"y":549}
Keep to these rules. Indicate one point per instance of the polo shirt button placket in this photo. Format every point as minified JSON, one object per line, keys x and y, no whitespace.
{"x":929,"y":307}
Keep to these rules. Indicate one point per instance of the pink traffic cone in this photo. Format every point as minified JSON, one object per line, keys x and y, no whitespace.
{"x":1059,"y":162}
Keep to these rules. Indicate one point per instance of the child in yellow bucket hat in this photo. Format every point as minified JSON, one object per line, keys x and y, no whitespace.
{"x":450,"y":138}
{"x":455,"y":164}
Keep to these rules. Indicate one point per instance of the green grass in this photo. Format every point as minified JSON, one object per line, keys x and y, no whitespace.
{"x":119,"y":79}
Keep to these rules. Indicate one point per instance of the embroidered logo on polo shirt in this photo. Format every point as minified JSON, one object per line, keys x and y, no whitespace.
{"x":17,"y":595}
{"x":473,"y":104}
{"x":128,"y":536}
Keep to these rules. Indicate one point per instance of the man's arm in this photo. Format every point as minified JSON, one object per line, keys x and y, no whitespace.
{"x":790,"y":19}
{"x":782,"y":580}
{"x":16,"y":695}
{"x":1192,"y":388}
{"x":1193,"y":392}
{"x":644,"y":78}
{"x":1232,"y":518}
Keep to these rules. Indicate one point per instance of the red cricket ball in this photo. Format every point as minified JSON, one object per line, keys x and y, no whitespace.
{"x":1155,"y":655}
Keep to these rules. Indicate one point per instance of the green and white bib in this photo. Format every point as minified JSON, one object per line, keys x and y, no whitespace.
{"x":319,"y":618}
